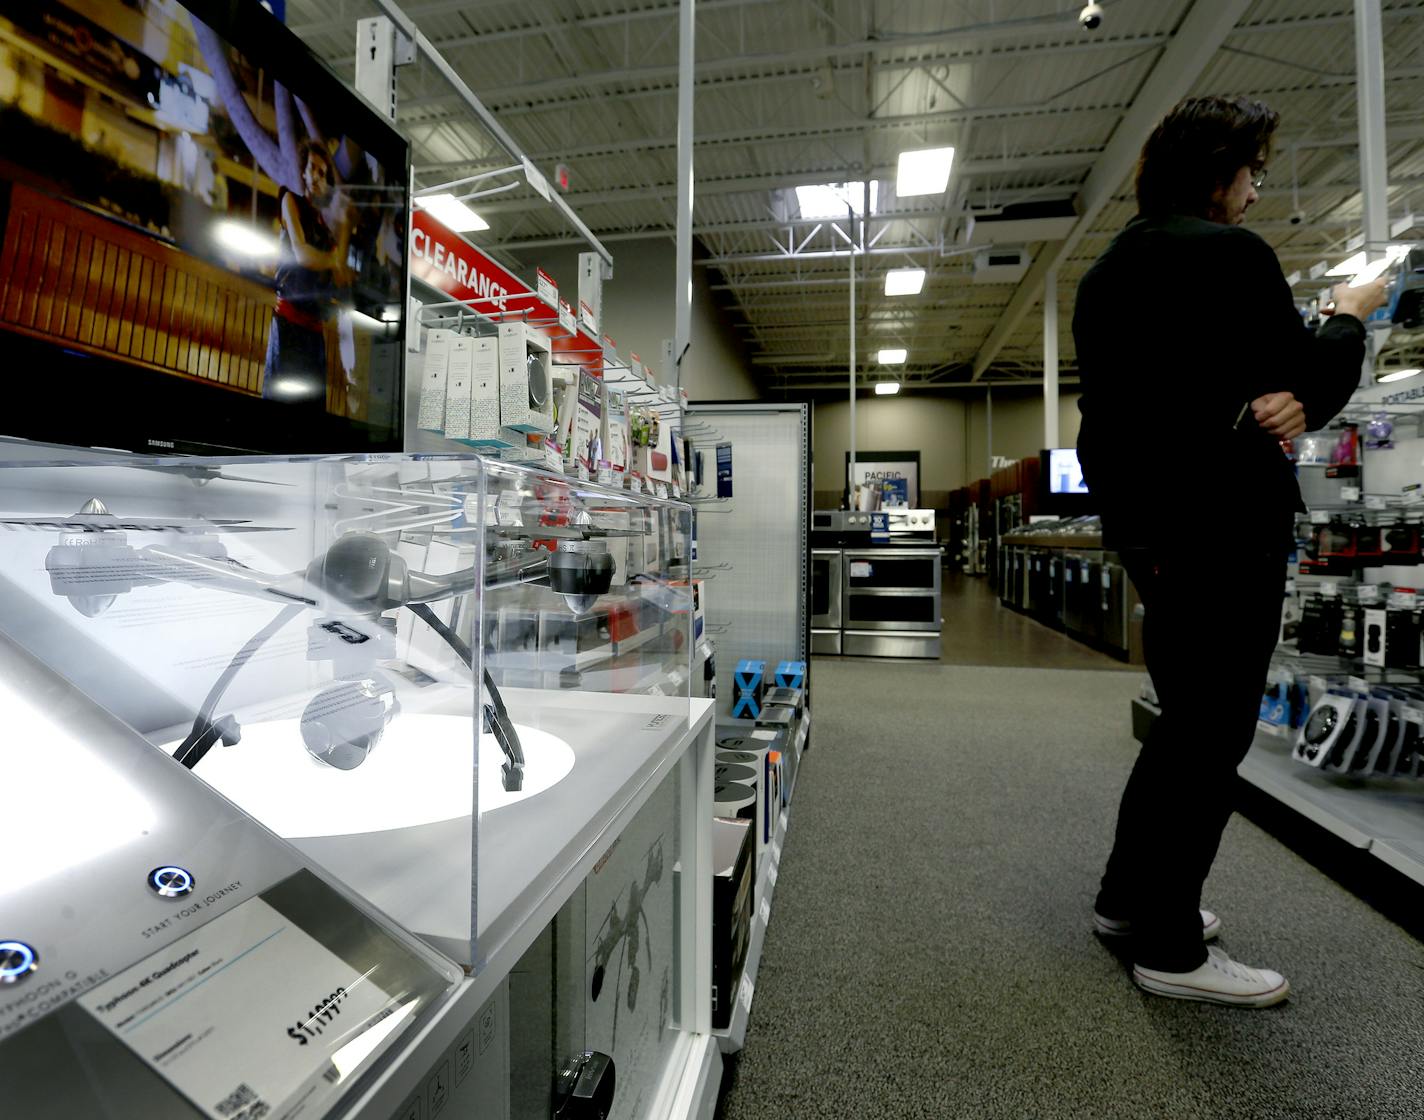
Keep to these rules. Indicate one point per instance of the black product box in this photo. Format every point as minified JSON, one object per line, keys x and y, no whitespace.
{"x":793,"y":698}
{"x":733,"y":905}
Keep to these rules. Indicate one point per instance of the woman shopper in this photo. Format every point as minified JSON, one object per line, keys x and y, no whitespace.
{"x":1195,"y":364}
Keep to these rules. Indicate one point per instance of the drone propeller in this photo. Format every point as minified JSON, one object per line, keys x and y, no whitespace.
{"x":94,"y":517}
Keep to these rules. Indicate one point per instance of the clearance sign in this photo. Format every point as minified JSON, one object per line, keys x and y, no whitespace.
{"x":443,"y":260}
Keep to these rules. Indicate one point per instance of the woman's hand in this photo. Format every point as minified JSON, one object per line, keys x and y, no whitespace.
{"x":1280,"y":414}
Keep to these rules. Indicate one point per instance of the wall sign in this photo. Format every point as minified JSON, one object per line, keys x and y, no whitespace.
{"x":893,"y":475}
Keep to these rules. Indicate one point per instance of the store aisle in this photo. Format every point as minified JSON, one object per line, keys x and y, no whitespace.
{"x":929,"y":953}
{"x":979,"y":630}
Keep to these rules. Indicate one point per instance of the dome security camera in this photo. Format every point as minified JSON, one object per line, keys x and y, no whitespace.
{"x":1297,"y":217}
{"x":1091,"y":17}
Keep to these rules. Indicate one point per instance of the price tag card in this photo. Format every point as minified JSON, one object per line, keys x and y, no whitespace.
{"x":765,"y":910}
{"x":659,"y":490}
{"x":635,"y":484}
{"x":247,"y":1017}
{"x":605,"y":476}
{"x":1320,"y":517}
{"x":1349,"y":493}
{"x":582,"y":473}
{"x":566,"y":317}
{"x":548,"y":290}
{"x":745,"y":993}
{"x":1374,"y":501}
{"x":771,"y":873}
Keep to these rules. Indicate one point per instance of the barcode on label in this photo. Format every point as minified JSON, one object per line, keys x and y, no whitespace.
{"x":239,"y":1098}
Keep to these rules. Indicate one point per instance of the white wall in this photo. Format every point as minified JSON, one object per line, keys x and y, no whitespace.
{"x":639,"y":312}
{"x":948,"y":432}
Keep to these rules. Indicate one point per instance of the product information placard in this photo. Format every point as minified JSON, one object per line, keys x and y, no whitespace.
{"x":548,"y":290}
{"x":247,"y":1017}
{"x":566,"y":317}
{"x":724,"y":470}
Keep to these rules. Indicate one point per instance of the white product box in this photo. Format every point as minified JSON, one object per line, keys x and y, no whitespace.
{"x":484,"y":390}
{"x":457,"y":387}
{"x":1373,"y":638}
{"x":526,"y":399}
{"x":588,"y":422}
{"x":616,"y":436}
{"x":432,"y":385}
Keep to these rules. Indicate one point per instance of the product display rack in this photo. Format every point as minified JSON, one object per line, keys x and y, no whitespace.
{"x":734,"y":1037}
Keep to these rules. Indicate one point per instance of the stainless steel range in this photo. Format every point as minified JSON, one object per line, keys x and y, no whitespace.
{"x":876,"y":598}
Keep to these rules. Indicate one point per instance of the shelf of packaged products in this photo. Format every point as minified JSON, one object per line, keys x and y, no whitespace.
{"x":689,"y":1064}
{"x":1381,"y":816}
{"x":734,"y":1037}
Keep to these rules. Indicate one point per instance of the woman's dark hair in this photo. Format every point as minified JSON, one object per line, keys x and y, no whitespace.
{"x":309,"y":148}
{"x":1198,"y":148}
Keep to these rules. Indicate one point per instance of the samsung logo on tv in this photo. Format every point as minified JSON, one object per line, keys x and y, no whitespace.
{"x":168,"y":443}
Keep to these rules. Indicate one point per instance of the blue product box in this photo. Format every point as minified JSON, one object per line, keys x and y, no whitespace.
{"x":751,"y":676}
{"x":747,"y":706}
{"x":791,"y":674}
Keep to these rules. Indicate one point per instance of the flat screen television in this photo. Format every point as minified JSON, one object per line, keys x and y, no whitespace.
{"x":1062,"y":491}
{"x":204,"y":235}
{"x":1064,"y":474}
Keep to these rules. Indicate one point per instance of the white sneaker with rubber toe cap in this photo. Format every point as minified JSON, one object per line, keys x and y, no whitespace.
{"x":1219,"y":980}
{"x":1122,"y":927}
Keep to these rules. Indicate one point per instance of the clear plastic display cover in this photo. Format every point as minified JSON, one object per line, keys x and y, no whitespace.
{"x":438,"y":677}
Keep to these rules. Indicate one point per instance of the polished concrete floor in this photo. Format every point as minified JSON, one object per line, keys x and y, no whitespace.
{"x":929,"y":953}
{"x":978,"y":630}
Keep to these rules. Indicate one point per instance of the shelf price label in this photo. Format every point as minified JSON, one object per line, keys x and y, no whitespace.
{"x":771,"y":873}
{"x":745,"y":992}
{"x":765,"y":910}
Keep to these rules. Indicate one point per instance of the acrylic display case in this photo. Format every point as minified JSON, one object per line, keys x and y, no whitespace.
{"x":437,"y":677}
{"x":162,"y":956}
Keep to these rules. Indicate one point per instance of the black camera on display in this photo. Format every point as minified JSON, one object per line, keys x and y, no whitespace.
{"x":1091,"y":17}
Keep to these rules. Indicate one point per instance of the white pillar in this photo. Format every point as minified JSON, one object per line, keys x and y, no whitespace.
{"x":686,"y":75}
{"x":1050,"y":358}
{"x":1369,"y":95}
{"x":851,"y":468}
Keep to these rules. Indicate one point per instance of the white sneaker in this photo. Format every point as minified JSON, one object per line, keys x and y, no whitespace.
{"x":1113,"y":927}
{"x":1219,"y":980}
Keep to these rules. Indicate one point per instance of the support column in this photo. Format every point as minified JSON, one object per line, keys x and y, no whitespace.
{"x":1050,"y":358}
{"x":686,"y":74}
{"x":851,"y":468}
{"x":1374,"y":183}
{"x":989,"y":431}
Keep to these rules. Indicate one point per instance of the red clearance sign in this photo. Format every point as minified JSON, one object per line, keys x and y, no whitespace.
{"x":442,"y":259}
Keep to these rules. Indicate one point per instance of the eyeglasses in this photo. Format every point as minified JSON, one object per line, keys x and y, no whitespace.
{"x":1258,"y":176}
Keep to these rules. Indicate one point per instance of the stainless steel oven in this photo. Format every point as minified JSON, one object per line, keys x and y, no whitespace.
{"x":891,"y":600}
{"x":826,"y":600}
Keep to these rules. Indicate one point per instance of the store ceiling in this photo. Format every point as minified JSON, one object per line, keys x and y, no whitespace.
{"x":793,"y":92}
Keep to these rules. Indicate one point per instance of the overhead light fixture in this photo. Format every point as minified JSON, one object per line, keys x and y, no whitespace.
{"x":239,"y":237}
{"x":835,"y":200}
{"x":923,"y":172}
{"x":451,"y":212}
{"x":886,"y":388}
{"x":893,"y":357}
{"x":1397,"y":375}
{"x":904,"y":281}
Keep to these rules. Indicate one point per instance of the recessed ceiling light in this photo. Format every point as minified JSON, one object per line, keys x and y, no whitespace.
{"x":923,"y":172}
{"x":904,"y":281}
{"x":886,"y":388}
{"x":450,"y":211}
{"x":893,"y":357}
{"x":836,"y":200}
{"x":1398,"y":375}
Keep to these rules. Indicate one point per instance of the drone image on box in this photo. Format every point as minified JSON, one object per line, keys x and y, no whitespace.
{"x":351,"y":590}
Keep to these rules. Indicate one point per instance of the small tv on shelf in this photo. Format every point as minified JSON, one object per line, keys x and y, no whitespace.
{"x":204,"y":236}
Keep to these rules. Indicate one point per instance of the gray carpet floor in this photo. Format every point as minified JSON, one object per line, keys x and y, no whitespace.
{"x":929,"y":952}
